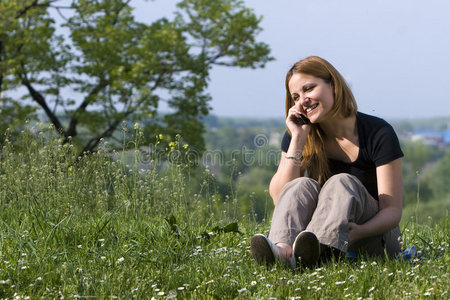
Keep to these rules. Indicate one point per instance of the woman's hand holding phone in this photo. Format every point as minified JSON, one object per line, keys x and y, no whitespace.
{"x":295,"y":122}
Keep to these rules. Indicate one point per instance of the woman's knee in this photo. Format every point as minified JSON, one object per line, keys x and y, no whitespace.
{"x":300,"y":188}
{"x":333,"y":189}
{"x":302,"y":184}
{"x":342,"y":179}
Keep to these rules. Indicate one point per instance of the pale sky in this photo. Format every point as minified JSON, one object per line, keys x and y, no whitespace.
{"x":394,"y":54}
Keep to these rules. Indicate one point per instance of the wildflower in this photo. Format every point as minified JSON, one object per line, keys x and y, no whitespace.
{"x":161,"y":293}
{"x":242,"y":290}
{"x":3,"y":282}
{"x":339,"y":282}
{"x":136,"y":126}
{"x":80,"y":246}
{"x":120,"y":260}
{"x":185,"y":146}
{"x":181,"y":288}
{"x":253,"y":283}
{"x":371,"y":289}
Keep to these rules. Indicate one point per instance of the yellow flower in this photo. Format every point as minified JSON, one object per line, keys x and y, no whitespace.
{"x":185,"y":146}
{"x":136,"y":126}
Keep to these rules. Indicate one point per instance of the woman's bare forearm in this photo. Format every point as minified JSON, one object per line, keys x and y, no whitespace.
{"x":288,"y":169}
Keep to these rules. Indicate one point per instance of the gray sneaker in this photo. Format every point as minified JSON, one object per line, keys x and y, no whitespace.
{"x":306,"y":248}
{"x":266,"y":252}
{"x":262,"y":249}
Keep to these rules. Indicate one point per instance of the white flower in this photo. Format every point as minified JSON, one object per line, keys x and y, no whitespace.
{"x":371,"y":289}
{"x":120,"y":260}
{"x":242,"y":290}
{"x":253,"y":282}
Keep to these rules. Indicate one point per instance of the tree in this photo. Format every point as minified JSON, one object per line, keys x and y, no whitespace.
{"x":104,"y":67}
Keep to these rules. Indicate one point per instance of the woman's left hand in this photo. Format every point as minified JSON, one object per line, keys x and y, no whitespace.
{"x":354,"y":232}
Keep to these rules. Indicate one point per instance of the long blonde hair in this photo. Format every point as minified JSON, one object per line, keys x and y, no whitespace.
{"x":314,"y":159}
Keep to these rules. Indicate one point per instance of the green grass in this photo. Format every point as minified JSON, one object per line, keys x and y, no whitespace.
{"x":430,"y":212}
{"x":96,"y":229}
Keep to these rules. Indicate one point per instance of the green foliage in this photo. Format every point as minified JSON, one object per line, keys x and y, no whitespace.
{"x":106,"y":67}
{"x":96,"y":228}
{"x":12,"y":117}
{"x":418,"y":158}
{"x":439,"y":178}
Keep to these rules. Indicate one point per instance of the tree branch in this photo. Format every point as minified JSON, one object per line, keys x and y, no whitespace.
{"x":35,"y":3}
{"x":92,"y":143}
{"x":72,"y":129}
{"x":39,"y":99}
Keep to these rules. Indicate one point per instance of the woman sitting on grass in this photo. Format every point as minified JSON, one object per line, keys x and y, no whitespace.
{"x":338,"y":187}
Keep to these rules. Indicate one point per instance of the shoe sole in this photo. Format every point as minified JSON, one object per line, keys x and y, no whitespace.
{"x":261,"y":250}
{"x":307,"y":248}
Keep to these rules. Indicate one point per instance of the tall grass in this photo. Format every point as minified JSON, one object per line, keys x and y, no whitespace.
{"x":98,"y":227}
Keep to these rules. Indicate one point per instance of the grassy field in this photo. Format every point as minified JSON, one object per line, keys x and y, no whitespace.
{"x":92,"y":228}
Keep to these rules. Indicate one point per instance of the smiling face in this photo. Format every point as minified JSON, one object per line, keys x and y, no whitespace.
{"x":313,"y":96}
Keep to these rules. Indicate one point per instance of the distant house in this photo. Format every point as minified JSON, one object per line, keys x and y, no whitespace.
{"x":435,"y":138}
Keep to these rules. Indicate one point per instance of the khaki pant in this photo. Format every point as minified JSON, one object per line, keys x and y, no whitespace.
{"x":326,"y":211}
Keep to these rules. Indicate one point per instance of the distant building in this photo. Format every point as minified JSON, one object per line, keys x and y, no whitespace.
{"x":435,"y":138}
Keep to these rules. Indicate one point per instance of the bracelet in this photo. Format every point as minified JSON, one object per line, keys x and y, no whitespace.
{"x":294,"y":157}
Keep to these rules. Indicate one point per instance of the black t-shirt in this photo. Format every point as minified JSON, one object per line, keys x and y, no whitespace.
{"x":378,"y":145}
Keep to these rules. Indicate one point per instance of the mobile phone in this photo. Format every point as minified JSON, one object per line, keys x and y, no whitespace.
{"x":302,"y":120}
